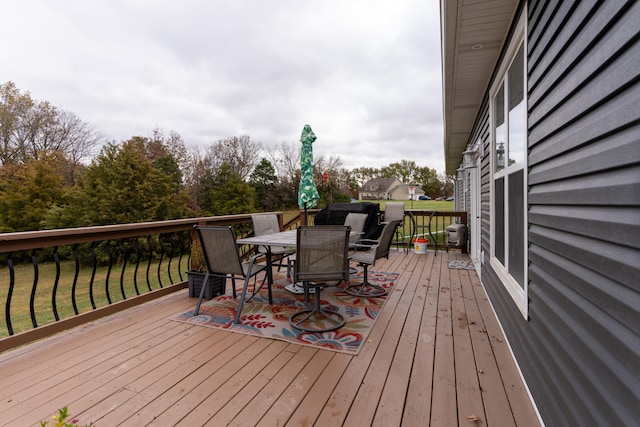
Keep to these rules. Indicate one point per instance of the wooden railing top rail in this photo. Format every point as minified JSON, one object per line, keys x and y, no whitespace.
{"x":422,"y":212}
{"x":10,"y":242}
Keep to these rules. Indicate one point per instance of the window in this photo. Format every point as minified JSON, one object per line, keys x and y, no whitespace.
{"x":509,"y":147}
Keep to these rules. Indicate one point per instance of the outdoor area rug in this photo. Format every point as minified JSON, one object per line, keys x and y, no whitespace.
{"x":259,"y":318}
{"x":458,"y":264}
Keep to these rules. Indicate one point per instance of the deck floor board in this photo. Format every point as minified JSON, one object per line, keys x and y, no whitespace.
{"x":436,"y":356}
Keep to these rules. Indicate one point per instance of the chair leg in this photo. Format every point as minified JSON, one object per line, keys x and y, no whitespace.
{"x":242,"y":297}
{"x":365,"y":289}
{"x":202,"y":289}
{"x":316,"y":315}
{"x":433,"y":241}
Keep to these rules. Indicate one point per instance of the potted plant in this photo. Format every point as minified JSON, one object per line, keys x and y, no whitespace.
{"x":197,"y":272}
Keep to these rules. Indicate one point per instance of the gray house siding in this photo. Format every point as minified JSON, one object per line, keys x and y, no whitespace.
{"x":584,"y":223}
{"x":482,"y":134}
{"x":579,"y":350}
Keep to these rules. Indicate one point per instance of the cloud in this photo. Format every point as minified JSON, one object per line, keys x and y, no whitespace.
{"x":364,"y":74}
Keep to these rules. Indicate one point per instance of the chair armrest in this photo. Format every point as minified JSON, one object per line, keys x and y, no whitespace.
{"x":252,"y":261}
{"x":368,"y":240}
{"x":374,"y":244}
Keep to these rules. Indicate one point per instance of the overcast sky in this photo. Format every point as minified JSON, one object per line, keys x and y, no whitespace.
{"x":365,"y":74}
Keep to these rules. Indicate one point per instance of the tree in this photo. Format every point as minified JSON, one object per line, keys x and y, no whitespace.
{"x":335,"y":188}
{"x":229,"y":194}
{"x":405,"y":171}
{"x":427,"y":179}
{"x":28,"y":190}
{"x":168,"y":155}
{"x":359,"y":176}
{"x":30,"y":129}
{"x":264,"y":181}
{"x":238,"y":153}
{"x":172,"y":145}
{"x":14,"y":108}
{"x":285,"y":157}
{"x":121,"y":186}
{"x":448,"y":184}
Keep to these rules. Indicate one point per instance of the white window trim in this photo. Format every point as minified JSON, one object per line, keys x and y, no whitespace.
{"x":517,"y":293}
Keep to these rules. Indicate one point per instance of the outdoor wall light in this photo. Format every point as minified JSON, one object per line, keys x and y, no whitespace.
{"x":469,"y":158}
{"x":500,"y":156}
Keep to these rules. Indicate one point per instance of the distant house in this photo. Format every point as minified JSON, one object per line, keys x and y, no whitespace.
{"x":388,"y":189}
{"x":542,"y":122}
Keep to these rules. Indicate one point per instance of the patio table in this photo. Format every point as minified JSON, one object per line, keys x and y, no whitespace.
{"x":285,"y":238}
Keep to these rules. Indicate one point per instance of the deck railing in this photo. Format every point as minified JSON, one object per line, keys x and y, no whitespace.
{"x":437,"y":222}
{"x":431,"y":225}
{"x":56,"y":279}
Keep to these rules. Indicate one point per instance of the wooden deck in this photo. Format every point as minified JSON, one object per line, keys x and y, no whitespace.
{"x":436,"y":357}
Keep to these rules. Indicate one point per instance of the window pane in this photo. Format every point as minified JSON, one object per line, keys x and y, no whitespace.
{"x":499,"y":220}
{"x":498,"y":104}
{"x":500,"y":129}
{"x":516,"y":80}
{"x":516,"y":226}
{"x":517,"y":111}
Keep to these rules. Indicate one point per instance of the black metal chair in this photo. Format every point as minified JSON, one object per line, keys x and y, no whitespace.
{"x":321,"y":260}
{"x":222,"y":256}
{"x":379,"y":249}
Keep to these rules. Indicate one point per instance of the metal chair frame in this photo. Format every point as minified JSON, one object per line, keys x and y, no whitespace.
{"x":381,"y":249}
{"x":222,"y":257}
{"x":267,"y":224}
{"x":321,"y":257}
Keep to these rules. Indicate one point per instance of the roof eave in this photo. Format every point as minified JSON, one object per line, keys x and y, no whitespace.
{"x":472,"y":36}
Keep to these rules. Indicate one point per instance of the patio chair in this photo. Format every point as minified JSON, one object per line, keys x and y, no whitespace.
{"x":380,"y":249}
{"x":267,"y":224}
{"x":222,"y":256}
{"x":394,"y":211}
{"x":321,"y":260}
{"x":357,"y":222}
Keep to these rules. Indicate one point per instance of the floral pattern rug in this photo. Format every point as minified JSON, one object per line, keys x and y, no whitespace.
{"x":272,"y":321}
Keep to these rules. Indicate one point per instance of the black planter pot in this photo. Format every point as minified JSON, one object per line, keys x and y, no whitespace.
{"x":217,"y":285}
